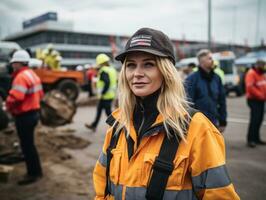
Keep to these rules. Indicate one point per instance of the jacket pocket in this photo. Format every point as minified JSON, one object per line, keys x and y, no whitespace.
{"x":115,"y":166}
{"x":175,"y":179}
{"x":147,"y":168}
{"x":178,"y":174}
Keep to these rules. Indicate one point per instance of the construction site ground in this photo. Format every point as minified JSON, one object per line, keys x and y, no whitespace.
{"x":69,"y":153}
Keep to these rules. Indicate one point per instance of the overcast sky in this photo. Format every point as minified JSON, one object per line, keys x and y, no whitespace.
{"x":234,"y":21}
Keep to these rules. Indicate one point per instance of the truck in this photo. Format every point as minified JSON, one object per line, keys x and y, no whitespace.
{"x":68,"y":82}
{"x":61,"y":83}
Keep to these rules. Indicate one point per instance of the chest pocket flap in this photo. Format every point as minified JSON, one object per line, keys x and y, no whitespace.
{"x":175,"y":178}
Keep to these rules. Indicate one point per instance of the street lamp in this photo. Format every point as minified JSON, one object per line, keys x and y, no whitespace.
{"x":209,"y":24}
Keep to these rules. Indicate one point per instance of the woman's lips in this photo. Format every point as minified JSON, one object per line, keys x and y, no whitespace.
{"x":139,"y":84}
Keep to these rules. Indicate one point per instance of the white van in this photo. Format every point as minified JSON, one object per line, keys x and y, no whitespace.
{"x":185,"y":61}
{"x":226,"y":61}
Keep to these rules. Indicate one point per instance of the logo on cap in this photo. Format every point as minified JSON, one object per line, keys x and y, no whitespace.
{"x":141,"y":40}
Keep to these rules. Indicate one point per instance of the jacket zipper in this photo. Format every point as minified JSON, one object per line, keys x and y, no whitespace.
{"x":143,"y":119}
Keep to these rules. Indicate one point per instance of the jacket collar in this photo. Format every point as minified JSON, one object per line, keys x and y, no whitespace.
{"x":15,"y":73}
{"x":114,"y":117}
{"x":206,"y":75}
{"x":149,"y":103}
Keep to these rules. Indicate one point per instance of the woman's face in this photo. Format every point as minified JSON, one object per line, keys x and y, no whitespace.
{"x":142,"y":73}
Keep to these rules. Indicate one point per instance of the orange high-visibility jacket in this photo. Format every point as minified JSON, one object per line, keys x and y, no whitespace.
{"x":26,"y":92}
{"x":255,"y":85}
{"x":199,"y":164}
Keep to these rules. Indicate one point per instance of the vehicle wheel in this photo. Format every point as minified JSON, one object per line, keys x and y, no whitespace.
{"x":69,"y":88}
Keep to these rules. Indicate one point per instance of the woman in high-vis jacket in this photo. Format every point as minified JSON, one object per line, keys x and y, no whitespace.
{"x":156,"y":146}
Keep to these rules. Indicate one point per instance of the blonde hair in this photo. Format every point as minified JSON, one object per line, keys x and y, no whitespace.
{"x":171,"y":104}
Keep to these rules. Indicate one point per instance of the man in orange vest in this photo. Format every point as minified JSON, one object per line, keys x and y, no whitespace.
{"x":256,"y":96}
{"x":23,"y":102}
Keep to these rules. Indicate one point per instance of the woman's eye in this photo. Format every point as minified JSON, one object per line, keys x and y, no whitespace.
{"x":130,"y":65}
{"x":149,"y":64}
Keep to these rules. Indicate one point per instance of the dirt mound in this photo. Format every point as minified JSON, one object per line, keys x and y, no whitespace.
{"x":65,"y":141}
{"x":63,"y":177}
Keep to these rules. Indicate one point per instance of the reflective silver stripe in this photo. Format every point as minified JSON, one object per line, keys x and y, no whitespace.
{"x":103,"y":159}
{"x":34,"y":89}
{"x":138,"y":193}
{"x":116,"y":190}
{"x":25,"y":90}
{"x":30,"y":76}
{"x":20,"y":88}
{"x":211,"y":178}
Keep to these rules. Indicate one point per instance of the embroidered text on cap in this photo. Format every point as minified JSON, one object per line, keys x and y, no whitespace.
{"x":141,"y":40}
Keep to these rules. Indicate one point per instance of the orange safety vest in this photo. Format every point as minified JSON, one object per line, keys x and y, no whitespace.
{"x":26,"y":92}
{"x":199,"y":170}
{"x":255,"y":85}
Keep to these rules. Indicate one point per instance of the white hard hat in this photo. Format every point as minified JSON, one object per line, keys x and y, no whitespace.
{"x":50,"y":46}
{"x":79,"y":68}
{"x":20,"y":56}
{"x":58,"y":58}
{"x":54,"y":53}
{"x":34,"y":62}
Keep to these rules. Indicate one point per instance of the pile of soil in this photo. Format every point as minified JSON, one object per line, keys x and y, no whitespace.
{"x":63,"y":177}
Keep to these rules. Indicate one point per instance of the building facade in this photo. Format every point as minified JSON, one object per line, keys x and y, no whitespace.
{"x":79,"y":48}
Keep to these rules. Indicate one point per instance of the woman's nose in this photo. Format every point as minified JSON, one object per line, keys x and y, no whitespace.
{"x":139,"y":71}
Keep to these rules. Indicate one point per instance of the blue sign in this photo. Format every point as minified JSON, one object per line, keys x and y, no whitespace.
{"x":50,"y":16}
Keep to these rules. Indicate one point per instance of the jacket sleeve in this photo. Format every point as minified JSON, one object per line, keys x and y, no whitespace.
{"x":251,"y":87}
{"x":17,"y":93}
{"x":222,"y":104}
{"x":210,"y":178}
{"x":105,"y":78}
{"x":99,"y":173}
{"x":190,"y":88}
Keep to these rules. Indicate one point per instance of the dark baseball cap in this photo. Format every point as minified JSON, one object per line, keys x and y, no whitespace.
{"x":151,"y":41}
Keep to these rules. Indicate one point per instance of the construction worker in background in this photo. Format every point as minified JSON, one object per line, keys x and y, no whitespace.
{"x":255,"y":82}
{"x":38,"y":54}
{"x":106,"y":88}
{"x":23,"y":102}
{"x":41,"y":54}
{"x":218,"y":70}
{"x":205,"y":90}
{"x":48,"y":57}
{"x":55,"y":60}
